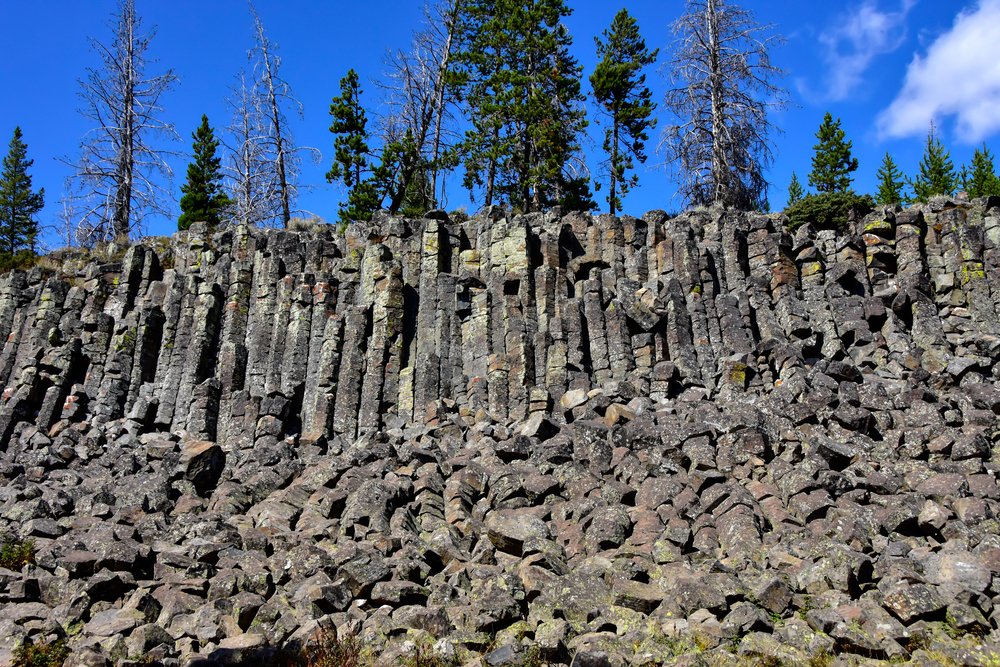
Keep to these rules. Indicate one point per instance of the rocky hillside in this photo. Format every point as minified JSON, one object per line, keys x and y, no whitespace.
{"x":538,"y":439}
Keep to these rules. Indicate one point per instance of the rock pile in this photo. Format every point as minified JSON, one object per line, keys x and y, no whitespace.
{"x":561,"y":439}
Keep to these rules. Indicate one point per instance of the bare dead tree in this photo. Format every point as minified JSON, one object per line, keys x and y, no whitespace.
{"x":66,"y":229}
{"x":420,"y":97}
{"x":723,"y":89}
{"x":277,"y":95}
{"x":253,"y":182}
{"x":120,"y":172}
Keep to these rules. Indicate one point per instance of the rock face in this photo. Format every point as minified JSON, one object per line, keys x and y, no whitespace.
{"x":622,"y":440}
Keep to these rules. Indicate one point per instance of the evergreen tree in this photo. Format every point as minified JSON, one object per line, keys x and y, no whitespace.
{"x":351,"y":152}
{"x":19,"y":204}
{"x":620,"y":88}
{"x":370,"y":184}
{"x":982,"y":181}
{"x":203,"y":199}
{"x":522,"y":89}
{"x":832,"y":163}
{"x":795,"y":191}
{"x":890,"y":183}
{"x":393,"y":178}
{"x":937,"y":172}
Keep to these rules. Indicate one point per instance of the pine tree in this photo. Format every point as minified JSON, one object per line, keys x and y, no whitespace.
{"x":795,"y":191}
{"x":351,"y":151}
{"x":620,"y":88}
{"x":982,"y":180}
{"x":937,"y":172}
{"x":832,"y":164}
{"x":890,"y":183}
{"x":202,"y":197}
{"x":19,"y":204}
{"x":522,"y":89}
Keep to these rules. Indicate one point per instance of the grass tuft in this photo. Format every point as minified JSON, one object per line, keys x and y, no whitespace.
{"x":41,"y":655}
{"x":16,"y":553}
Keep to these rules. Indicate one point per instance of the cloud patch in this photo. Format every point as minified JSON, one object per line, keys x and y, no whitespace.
{"x":959,"y":77}
{"x":865,"y":33}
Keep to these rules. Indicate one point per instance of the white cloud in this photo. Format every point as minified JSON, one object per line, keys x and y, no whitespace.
{"x":865,"y":33}
{"x":958,"y":77}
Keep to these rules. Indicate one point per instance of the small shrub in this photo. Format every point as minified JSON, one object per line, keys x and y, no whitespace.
{"x":329,"y":650}
{"x":830,"y":210}
{"x":21,"y":260}
{"x":424,"y":656}
{"x":821,"y":660}
{"x":41,"y":655}
{"x":16,"y":553}
{"x":305,"y":224}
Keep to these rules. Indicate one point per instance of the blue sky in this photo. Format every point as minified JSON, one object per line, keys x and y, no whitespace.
{"x":886,"y":67}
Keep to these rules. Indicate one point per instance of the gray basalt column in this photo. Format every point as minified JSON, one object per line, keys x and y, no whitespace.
{"x":680,"y":346}
{"x":762,"y":252}
{"x":202,"y":350}
{"x":280,"y":318}
{"x":231,"y":369}
{"x":426,"y":361}
{"x":295,"y":362}
{"x":178,"y":309}
{"x":382,"y":288}
{"x":14,"y":296}
{"x":687,"y":268}
{"x":260,"y":320}
{"x":970,"y":235}
{"x":447,"y":335}
{"x":352,"y":368}
{"x":848,"y":291}
{"x":320,"y":369}
{"x":19,"y":350}
{"x":811,"y":260}
{"x":476,"y":349}
{"x":914,"y":298}
{"x":596,"y":329}
{"x":620,"y":358}
{"x":319,"y":420}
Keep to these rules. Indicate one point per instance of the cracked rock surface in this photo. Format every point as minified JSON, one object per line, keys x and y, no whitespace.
{"x":606,"y":441}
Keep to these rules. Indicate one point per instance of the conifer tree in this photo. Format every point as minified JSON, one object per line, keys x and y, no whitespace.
{"x":350,"y":161}
{"x":937,"y":172}
{"x":890,"y":183}
{"x":982,"y":180}
{"x":371,"y":184}
{"x":832,"y":163}
{"x":620,"y":88}
{"x":19,"y":204}
{"x":795,"y":191}
{"x":522,"y":89}
{"x":202,"y":197}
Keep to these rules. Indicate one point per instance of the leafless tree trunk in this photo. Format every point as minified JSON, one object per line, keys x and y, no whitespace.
{"x":117,"y":173}
{"x":255,"y":190}
{"x":723,"y":88}
{"x":277,"y":95}
{"x":419,"y":95}
{"x":68,"y":220}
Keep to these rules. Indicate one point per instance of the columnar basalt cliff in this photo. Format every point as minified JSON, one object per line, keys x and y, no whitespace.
{"x":614,"y":439}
